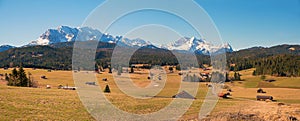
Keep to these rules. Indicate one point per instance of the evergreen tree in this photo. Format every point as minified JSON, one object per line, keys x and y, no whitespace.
{"x":131,"y":69}
{"x":178,"y":68}
{"x":106,"y":90}
{"x":226,"y":77}
{"x":14,"y":78}
{"x":23,"y":80}
{"x":237,"y":76}
{"x":171,"y":69}
{"x":19,"y":78}
{"x":6,"y":77}
{"x":254,"y":73}
{"x":109,"y":69}
{"x":9,"y":81}
{"x":262,"y":77}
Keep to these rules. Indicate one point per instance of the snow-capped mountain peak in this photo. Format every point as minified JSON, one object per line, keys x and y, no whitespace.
{"x":67,"y":34}
{"x":138,"y":42}
{"x":199,"y":46}
{"x":188,"y":44}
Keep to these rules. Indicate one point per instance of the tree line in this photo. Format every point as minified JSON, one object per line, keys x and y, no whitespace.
{"x":279,"y":60}
{"x":19,"y":78}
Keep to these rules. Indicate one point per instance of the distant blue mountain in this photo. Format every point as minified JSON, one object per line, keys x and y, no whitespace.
{"x":5,"y":47}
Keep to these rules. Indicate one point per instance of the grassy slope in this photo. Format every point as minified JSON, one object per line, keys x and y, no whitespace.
{"x":54,"y":104}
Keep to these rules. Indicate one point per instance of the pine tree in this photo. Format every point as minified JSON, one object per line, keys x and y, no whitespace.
{"x":109,"y":69}
{"x":171,"y":69}
{"x":22,"y":77}
{"x":14,"y":78}
{"x":178,"y":68}
{"x":237,"y":76}
{"x":6,"y":77}
{"x":226,"y":77}
{"x":254,"y":73}
{"x":263,"y":77}
{"x":106,"y":90}
{"x":9,"y":82}
{"x":131,"y":69}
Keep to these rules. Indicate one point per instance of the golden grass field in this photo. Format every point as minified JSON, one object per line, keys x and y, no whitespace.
{"x":18,"y":103}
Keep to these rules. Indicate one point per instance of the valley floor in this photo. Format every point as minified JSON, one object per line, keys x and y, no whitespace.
{"x":18,"y":103}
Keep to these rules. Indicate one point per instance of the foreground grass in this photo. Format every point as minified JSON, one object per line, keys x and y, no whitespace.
{"x":40,"y":104}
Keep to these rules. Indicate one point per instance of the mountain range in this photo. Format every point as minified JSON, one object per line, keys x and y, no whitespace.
{"x":69,"y":34}
{"x":5,"y":47}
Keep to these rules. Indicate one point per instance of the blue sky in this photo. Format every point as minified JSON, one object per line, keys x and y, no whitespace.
{"x":242,"y":23}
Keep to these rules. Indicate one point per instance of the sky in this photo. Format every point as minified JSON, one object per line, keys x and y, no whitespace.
{"x":241,"y":23}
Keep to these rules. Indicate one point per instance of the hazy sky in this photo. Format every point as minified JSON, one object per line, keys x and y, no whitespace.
{"x":242,"y":23}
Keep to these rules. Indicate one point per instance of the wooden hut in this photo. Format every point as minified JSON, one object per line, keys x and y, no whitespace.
{"x":183,"y":94}
{"x":263,"y":97}
{"x":90,"y":83}
{"x":43,"y":77}
{"x":104,"y":79}
{"x":260,"y":90}
{"x":224,"y":95}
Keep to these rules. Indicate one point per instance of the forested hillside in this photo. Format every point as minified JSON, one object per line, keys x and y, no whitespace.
{"x":281,"y":60}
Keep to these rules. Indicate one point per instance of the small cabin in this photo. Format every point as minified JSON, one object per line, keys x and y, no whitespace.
{"x":224,"y":95}
{"x":263,"y":97}
{"x":43,"y":77}
{"x":90,"y":83}
{"x":183,"y":94}
{"x":270,"y":80}
{"x":208,"y":85}
{"x":260,"y":90}
{"x":104,"y":79}
{"x":67,"y":87}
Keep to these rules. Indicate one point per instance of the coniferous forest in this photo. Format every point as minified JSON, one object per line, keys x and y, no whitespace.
{"x":281,"y":60}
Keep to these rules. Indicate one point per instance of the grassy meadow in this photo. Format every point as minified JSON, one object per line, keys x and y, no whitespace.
{"x":18,"y":103}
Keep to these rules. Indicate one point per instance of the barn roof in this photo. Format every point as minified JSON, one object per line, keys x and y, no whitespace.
{"x":184,"y":94}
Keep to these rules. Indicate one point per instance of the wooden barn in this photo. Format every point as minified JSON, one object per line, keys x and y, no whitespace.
{"x":43,"y":77}
{"x":104,"y":79}
{"x":90,"y":83}
{"x":67,"y":87}
{"x":264,"y":97}
{"x":260,"y":90}
{"x":270,"y":80}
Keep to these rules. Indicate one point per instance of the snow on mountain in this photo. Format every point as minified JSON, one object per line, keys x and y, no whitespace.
{"x":5,"y":47}
{"x":67,"y":34}
{"x":61,"y":34}
{"x":189,"y":44}
{"x":196,"y":45}
{"x":134,"y":42}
